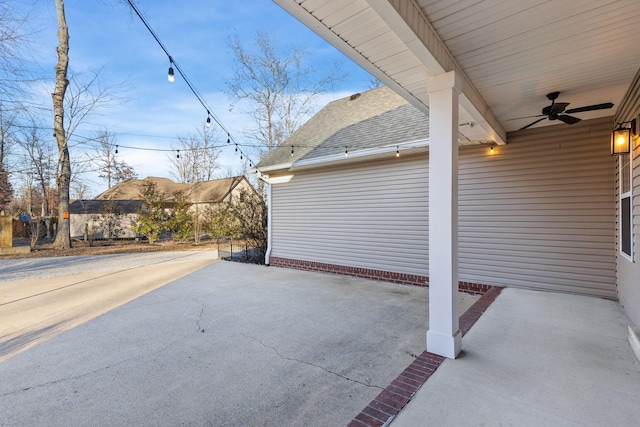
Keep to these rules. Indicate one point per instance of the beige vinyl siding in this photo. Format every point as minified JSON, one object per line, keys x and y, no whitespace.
{"x":538,"y":214}
{"x":628,"y":272}
{"x":371,"y":215}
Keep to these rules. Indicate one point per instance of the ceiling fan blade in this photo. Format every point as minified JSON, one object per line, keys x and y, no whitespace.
{"x":570,"y":120}
{"x":531,"y":124}
{"x":558,"y":107}
{"x":590,"y":108}
{"x":526,"y":117}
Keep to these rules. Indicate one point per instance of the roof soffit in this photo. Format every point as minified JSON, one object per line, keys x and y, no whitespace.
{"x":418,"y":52}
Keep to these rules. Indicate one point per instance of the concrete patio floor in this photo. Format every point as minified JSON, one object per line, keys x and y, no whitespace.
{"x":536,"y":359}
{"x":235,"y":344}
{"x":230,"y":344}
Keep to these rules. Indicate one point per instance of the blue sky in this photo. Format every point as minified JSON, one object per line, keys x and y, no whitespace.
{"x":106,"y":36}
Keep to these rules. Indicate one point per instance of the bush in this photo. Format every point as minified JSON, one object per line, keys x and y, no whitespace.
{"x":151,"y":221}
{"x":181,"y":221}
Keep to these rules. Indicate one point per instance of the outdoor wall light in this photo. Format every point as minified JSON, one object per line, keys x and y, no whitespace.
{"x":621,"y":138}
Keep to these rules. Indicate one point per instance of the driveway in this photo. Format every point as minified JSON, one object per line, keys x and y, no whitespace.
{"x":62,"y":293}
{"x":228,"y":345}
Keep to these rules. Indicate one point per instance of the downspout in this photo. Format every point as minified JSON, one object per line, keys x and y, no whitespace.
{"x":267,"y":255}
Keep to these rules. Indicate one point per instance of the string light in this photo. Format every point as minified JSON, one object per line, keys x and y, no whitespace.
{"x":116,"y":149}
{"x":177,"y":154}
{"x":346,"y":152}
{"x":170,"y":75}
{"x":292,"y":151}
{"x":398,"y":151}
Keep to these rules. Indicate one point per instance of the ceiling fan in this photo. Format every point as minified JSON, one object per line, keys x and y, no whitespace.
{"x":558,"y":111}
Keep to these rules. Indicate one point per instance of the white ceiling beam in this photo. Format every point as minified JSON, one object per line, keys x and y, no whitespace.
{"x":407,"y":20}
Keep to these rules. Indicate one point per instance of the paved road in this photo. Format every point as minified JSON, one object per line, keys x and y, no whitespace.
{"x":53,"y":295}
{"x":48,"y":267}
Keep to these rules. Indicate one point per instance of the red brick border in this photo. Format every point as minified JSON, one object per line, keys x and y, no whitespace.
{"x":368,"y":273}
{"x":381,"y":410}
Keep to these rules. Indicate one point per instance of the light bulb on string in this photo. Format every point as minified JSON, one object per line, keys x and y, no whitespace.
{"x":208,"y":119}
{"x":228,"y":138}
{"x":116,"y":149}
{"x":177,"y":154}
{"x":292,"y":151}
{"x":236,"y":148}
{"x":346,"y":152}
{"x":398,"y":151}
{"x":171,"y":77}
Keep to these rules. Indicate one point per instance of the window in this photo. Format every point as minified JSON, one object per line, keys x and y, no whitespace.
{"x":626,"y":223}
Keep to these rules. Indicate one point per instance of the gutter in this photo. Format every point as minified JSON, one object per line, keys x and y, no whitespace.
{"x":267,"y":255}
{"x":362,"y":154}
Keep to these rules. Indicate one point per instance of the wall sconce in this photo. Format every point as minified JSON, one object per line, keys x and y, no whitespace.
{"x":621,"y":138}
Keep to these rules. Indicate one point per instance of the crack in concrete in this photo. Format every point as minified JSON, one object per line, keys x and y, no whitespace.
{"x":86,"y":374}
{"x":293,"y":359}
{"x":200,"y":328}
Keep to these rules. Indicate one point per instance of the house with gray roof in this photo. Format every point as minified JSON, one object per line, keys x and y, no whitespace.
{"x":349,"y":194}
{"x":125,"y":197}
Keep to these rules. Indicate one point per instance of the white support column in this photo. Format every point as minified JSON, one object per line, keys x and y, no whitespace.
{"x":444,"y":336}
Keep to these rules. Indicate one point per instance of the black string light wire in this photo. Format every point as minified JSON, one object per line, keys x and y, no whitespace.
{"x":172,"y":64}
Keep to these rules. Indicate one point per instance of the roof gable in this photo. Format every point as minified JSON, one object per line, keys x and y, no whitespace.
{"x":207,"y":191}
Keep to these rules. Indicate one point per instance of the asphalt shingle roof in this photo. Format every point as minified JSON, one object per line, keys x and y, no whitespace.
{"x":376,"y":118}
{"x":209,"y":191}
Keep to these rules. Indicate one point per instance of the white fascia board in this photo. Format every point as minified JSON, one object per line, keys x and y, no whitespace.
{"x":362,"y":154}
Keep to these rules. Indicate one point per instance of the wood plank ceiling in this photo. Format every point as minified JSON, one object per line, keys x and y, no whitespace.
{"x":512,"y":53}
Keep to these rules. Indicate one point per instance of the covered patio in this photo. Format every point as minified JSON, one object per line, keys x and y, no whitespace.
{"x":488,"y":72}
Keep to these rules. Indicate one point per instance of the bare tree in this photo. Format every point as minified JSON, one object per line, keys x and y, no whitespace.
{"x":38,"y":161}
{"x":375,"y":83}
{"x":280,"y":89}
{"x":105,"y":159}
{"x":73,"y":104}
{"x":63,"y":176}
{"x":195,"y":158}
{"x":84,"y":96}
{"x":80,"y":190}
{"x":14,"y":43}
{"x":7,"y":137}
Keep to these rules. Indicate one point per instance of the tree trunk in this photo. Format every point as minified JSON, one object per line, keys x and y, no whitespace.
{"x":63,"y":180}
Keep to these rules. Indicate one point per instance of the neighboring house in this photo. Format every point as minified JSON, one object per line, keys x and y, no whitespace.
{"x":356,"y":200}
{"x":85,"y":214}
